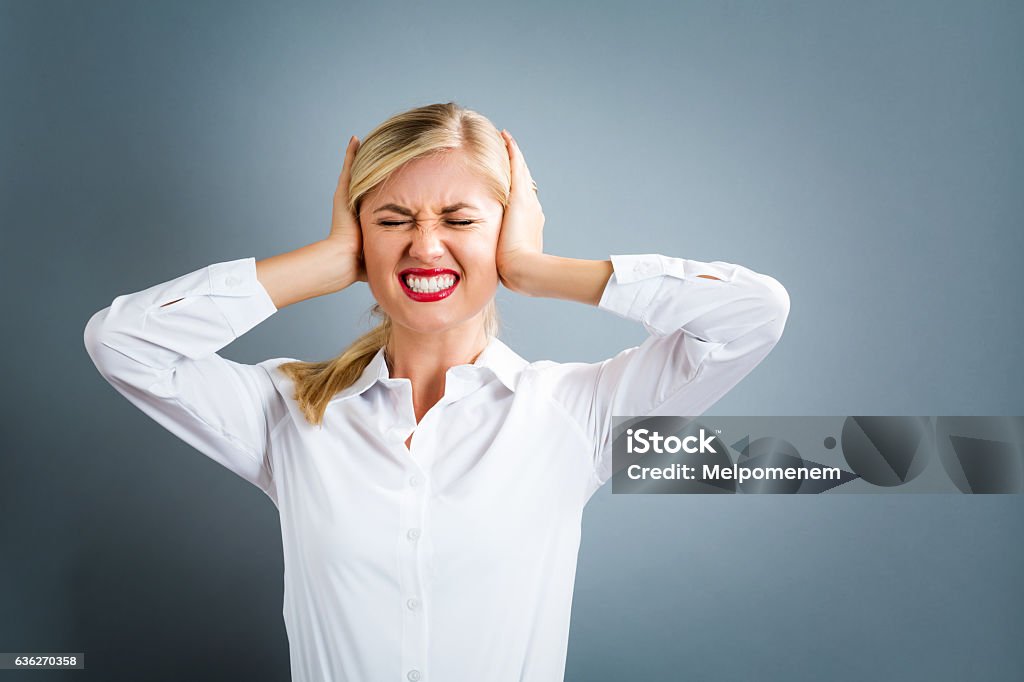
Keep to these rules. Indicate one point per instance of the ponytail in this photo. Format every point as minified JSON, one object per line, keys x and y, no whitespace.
{"x":316,"y":383}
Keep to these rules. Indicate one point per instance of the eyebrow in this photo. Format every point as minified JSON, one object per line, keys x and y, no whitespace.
{"x":404,"y":211}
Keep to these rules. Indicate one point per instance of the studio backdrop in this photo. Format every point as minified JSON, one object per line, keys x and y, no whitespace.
{"x":866,"y":155}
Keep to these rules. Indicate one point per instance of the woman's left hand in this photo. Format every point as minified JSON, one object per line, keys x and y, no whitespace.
{"x":522,"y":226}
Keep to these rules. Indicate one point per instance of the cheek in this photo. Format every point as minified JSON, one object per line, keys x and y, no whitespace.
{"x":380,"y":266}
{"x":484,"y":264}
{"x":485,"y":248}
{"x":378,"y":252}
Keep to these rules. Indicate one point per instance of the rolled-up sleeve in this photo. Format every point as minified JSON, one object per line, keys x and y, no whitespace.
{"x":709,"y":325}
{"x":158,"y":348}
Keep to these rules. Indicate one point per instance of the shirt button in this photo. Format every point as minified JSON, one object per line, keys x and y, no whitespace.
{"x":413,"y":675}
{"x":414,"y":534}
{"x":645,"y":268}
{"x":414,"y":481}
{"x":232,"y":281}
{"x":413,"y":604}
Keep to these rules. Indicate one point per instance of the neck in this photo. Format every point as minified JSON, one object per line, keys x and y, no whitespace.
{"x":423,"y":358}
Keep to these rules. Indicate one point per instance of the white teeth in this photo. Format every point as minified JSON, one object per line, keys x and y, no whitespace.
{"x":428,"y":285}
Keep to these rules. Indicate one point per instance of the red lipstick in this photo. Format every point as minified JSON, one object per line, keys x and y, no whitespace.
{"x":428,"y":272}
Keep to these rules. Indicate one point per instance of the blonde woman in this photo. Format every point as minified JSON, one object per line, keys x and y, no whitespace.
{"x":430,"y":481}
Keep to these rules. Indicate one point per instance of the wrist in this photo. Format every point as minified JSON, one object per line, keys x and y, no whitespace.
{"x":542,"y":275}
{"x":341,"y":271}
{"x":317,"y":269}
{"x":523,"y":273}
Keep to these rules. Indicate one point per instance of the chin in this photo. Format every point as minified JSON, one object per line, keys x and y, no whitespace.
{"x":424,"y":322}
{"x":424,"y":325}
{"x":429,"y":324}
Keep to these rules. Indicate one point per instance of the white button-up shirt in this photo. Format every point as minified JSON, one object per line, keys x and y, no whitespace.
{"x":454,"y":561}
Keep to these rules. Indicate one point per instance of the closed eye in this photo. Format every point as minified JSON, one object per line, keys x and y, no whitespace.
{"x":396,"y":223}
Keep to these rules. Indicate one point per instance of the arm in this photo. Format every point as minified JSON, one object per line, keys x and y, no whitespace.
{"x":301,"y":274}
{"x":709,"y":325}
{"x":158,"y":347}
{"x":546,"y":276}
{"x":321,"y":268}
{"x":522,"y":264}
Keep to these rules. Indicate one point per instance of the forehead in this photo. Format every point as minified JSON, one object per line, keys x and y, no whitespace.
{"x":432,"y":182}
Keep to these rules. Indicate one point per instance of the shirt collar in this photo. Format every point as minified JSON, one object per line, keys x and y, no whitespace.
{"x":497,"y":357}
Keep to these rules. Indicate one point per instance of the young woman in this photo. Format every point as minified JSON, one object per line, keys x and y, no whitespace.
{"x":430,"y":481}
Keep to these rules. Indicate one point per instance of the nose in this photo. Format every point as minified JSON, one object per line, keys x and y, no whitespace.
{"x":427,"y":246}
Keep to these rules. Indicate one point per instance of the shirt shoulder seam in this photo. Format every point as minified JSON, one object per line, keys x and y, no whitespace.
{"x":589,"y":444}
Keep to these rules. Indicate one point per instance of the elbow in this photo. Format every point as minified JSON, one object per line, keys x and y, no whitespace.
{"x":94,"y":337}
{"x":93,"y":333}
{"x":119,"y":365}
{"x":776,"y":302}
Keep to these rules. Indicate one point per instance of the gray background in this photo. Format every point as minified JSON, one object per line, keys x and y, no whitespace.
{"x":868,"y":155}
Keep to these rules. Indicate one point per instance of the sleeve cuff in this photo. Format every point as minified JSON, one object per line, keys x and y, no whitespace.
{"x":239,"y":295}
{"x":635,"y":282}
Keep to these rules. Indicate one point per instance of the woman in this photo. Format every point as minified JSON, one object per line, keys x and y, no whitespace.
{"x":430,"y":481}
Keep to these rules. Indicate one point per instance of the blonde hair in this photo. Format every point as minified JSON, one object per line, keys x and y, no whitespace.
{"x":412,"y":134}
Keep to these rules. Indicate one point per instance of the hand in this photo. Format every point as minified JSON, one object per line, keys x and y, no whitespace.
{"x":345,"y":230}
{"x":522,"y":226}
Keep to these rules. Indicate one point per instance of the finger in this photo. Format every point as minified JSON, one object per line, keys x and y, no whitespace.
{"x":520,"y":171}
{"x":514,"y":152}
{"x":512,"y":158}
{"x":521,"y":160}
{"x":350,"y":153}
{"x":346,"y":168}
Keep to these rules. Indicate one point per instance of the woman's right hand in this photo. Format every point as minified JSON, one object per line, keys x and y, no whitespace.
{"x":345,"y":230}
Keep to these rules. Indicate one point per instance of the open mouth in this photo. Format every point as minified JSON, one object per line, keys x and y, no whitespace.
{"x":428,"y":285}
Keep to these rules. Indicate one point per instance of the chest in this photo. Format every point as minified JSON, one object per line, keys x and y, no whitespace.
{"x":480,"y":481}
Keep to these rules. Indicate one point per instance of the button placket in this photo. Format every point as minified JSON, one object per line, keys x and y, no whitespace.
{"x":414,"y":544}
{"x":414,"y":494}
